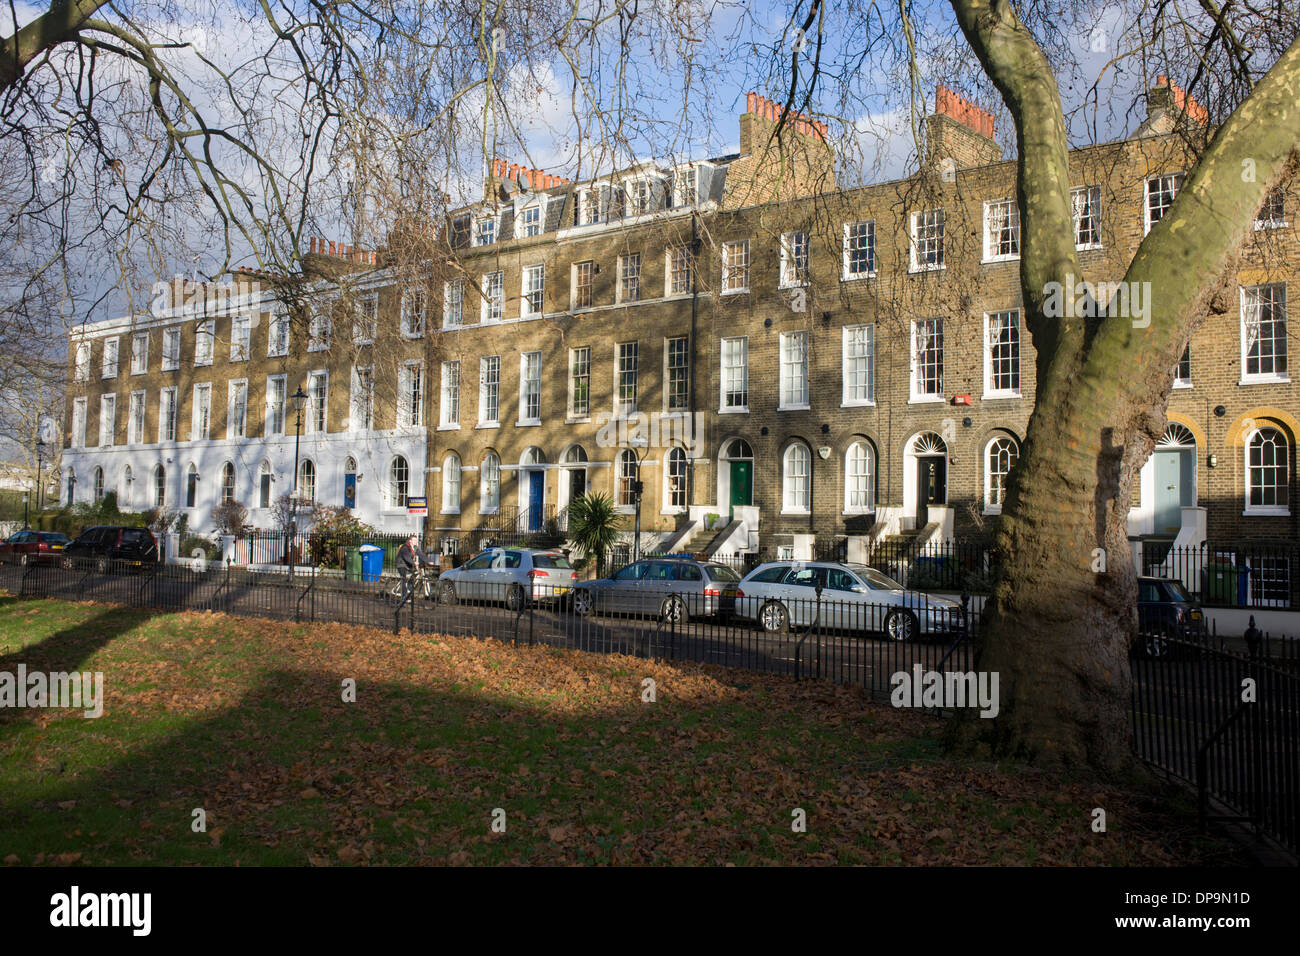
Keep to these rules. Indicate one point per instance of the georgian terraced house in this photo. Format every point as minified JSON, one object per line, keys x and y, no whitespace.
{"x":783,"y":365}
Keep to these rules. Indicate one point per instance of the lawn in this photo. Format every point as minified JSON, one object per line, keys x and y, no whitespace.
{"x":245,"y":720}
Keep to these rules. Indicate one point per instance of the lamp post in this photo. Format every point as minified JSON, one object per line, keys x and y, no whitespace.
{"x":299,"y":398}
{"x":638,"y":486}
{"x":40,"y":450}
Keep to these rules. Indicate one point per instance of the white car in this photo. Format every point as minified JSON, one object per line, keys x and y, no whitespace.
{"x":782,"y":595}
{"x":512,"y":576}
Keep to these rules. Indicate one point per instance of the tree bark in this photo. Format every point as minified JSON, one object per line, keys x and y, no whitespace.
{"x":57,"y":25}
{"x":1063,"y":612}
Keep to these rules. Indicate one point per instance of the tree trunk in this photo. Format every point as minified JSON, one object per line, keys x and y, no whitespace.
{"x":1063,"y":612}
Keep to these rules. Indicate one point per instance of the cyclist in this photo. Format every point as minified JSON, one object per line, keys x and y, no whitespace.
{"x":410,"y":557}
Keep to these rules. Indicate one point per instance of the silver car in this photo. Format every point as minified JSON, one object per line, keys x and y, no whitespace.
{"x":675,"y":589}
{"x":513,"y":576}
{"x":781,"y":595}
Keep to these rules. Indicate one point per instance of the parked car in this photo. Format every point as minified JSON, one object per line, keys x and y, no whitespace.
{"x":675,"y":589}
{"x":781,"y":595}
{"x":1166,"y":613}
{"x":33,"y":547}
{"x":509,"y":575}
{"x":102,"y":547}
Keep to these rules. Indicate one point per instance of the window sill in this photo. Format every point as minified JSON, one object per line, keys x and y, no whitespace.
{"x":803,"y":284}
{"x":1092,"y":247}
{"x":734,"y":411}
{"x":445,"y":512}
{"x":913,"y":270}
{"x":488,"y":425}
{"x":1264,"y":512}
{"x":489,"y":511}
{"x":528,"y":423}
{"x":1183,"y":384}
{"x":800,"y":513}
{"x":1262,"y":224}
{"x":793,"y":408}
{"x":449,"y":428}
{"x":857,"y":512}
{"x":995,"y":396}
{"x":994,"y":260}
{"x":864,"y":403}
{"x":926,"y":400}
{"x":726,"y":292}
{"x":858,"y":276}
{"x":992,"y":510}
{"x":1265,"y":380}
{"x":575,"y":420}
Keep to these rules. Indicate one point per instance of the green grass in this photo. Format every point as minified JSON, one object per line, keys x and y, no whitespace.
{"x":244,"y":719}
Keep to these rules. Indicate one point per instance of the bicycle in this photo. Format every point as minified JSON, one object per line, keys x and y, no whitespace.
{"x":421,"y":581}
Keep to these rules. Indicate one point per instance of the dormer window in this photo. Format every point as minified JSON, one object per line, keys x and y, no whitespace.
{"x":684,"y":189}
{"x":531,"y":221}
{"x":485,"y":231}
{"x":639,"y":198}
{"x":460,"y":226}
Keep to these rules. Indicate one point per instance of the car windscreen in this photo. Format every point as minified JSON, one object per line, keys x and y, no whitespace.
{"x":551,"y":561}
{"x":720,"y":572}
{"x":878,"y":581}
{"x":51,"y":537}
{"x":135,"y":536}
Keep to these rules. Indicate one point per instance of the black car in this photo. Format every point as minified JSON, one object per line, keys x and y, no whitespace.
{"x":1166,"y":614}
{"x":102,"y":547}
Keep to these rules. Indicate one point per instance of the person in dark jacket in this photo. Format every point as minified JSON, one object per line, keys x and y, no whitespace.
{"x":409,"y":557}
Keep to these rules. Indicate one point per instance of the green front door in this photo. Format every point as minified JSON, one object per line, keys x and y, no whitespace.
{"x":742,"y":484}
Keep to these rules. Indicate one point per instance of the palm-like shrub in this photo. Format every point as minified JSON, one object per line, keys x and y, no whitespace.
{"x":593,"y":526}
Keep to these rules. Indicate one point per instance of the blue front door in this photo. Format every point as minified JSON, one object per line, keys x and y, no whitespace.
{"x":536,"y":486}
{"x":349,"y":490}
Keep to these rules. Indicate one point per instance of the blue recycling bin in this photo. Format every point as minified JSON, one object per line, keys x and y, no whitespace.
{"x":372,"y":562}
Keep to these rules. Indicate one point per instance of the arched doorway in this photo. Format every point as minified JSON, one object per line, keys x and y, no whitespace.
{"x":735,"y":475}
{"x":573,"y":482}
{"x":532,"y":489}
{"x":925,"y":477}
{"x":1173,"y":465}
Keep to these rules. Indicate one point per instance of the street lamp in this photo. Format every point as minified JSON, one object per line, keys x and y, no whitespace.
{"x":299,"y":398}
{"x":40,"y":450}
{"x":638,"y":486}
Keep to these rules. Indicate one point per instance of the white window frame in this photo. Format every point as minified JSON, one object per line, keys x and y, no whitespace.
{"x":415,"y":313}
{"x":205,"y":343}
{"x":451,"y":477}
{"x":530,"y":388}
{"x":365,"y":323}
{"x":668,"y":507}
{"x":489,"y":390}
{"x":237,"y":424}
{"x":449,"y":395}
{"x":935,"y":221}
{"x":489,"y":488}
{"x":319,"y":330}
{"x":992,"y":507}
{"x":733,"y":373}
{"x":107,"y":417}
{"x":990,"y":372}
{"x":1274,"y":197}
{"x":914,"y":379}
{"x":493,"y":307}
{"x":531,"y":229}
{"x":852,"y":507}
{"x":410,"y":403}
{"x":81,"y":363}
{"x":110,"y":358}
{"x":623,"y":351}
{"x":790,"y":492}
{"x":453,"y":303}
{"x":853,"y":243}
{"x":139,"y":353}
{"x":485,"y":230}
{"x":574,"y":412}
{"x":532,"y":283}
{"x":629,"y":280}
{"x":685,"y":370}
{"x":735,"y":275}
{"x":678,"y":264}
{"x":1149,"y":188}
{"x":849,"y":374}
{"x":317,"y":415}
{"x":795,"y":267}
{"x":1086,"y":198}
{"x":1253,"y":378}
{"x":575,"y":271}
{"x":1274,"y":510}
{"x":277,"y":336}
{"x":794,"y":387}
{"x":361,"y":418}
{"x":201,"y":416}
{"x":272,"y":411}
{"x":241,"y":337}
{"x":168,"y":418}
{"x":171,"y":349}
{"x":137,"y":412}
{"x":1184,"y":381}
{"x":1002,"y":215}
{"x":79,"y":414}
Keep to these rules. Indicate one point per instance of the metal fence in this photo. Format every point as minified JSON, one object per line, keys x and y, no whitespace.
{"x":1246,"y":575}
{"x":1228,"y":723}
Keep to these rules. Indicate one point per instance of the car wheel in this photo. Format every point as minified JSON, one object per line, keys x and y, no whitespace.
{"x":515,"y":598}
{"x":774,"y":617}
{"x":673,"y":611}
{"x":901,"y":626}
{"x":447,"y":593}
{"x":101,"y":566}
{"x":583,"y":605}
